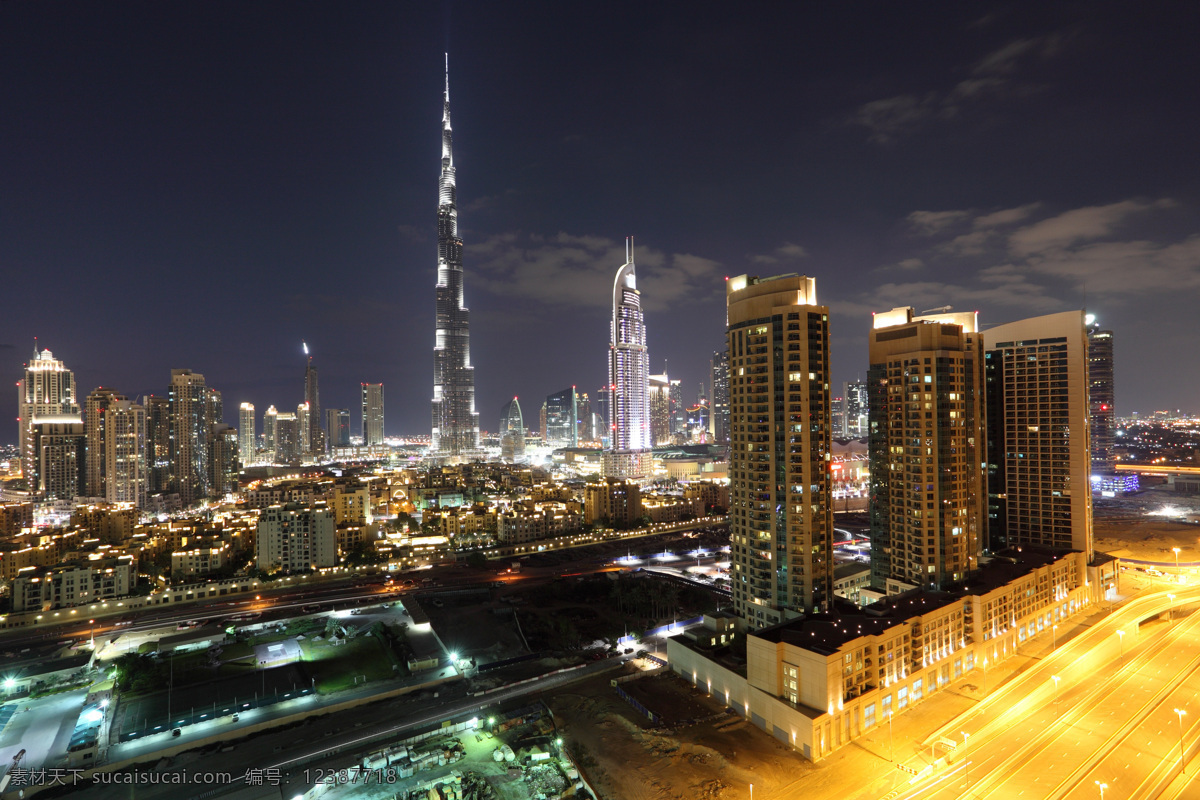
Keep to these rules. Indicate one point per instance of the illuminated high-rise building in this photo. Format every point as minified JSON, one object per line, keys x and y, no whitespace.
{"x":158,"y":443}
{"x":287,"y":439}
{"x":857,"y":406}
{"x":47,"y":392}
{"x":59,"y":449}
{"x":604,"y":415}
{"x":372,"y":414}
{"x":1100,"y":398}
{"x":1039,"y":453}
{"x":315,"y":435}
{"x":223,"y":464}
{"x":455,"y":421}
{"x":837,"y":413}
{"x":192,"y":408}
{"x":337,"y":427}
{"x":926,"y":431}
{"x":678,"y":422}
{"x":562,"y":419}
{"x":270,"y":416}
{"x":246,"y":434}
{"x":512,"y":432}
{"x":115,"y":434}
{"x":628,"y":455}
{"x":781,"y":514}
{"x":659,"y":387}
{"x":586,"y":426}
{"x":719,"y":411}
{"x":303,"y":422}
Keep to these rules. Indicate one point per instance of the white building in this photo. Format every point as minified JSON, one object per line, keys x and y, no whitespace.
{"x":294,"y":538}
{"x":628,"y":379}
{"x":73,"y":584}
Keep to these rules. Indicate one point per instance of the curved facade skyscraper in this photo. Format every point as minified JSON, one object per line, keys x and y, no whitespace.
{"x":512,"y":432}
{"x":455,"y":422}
{"x":628,"y":377}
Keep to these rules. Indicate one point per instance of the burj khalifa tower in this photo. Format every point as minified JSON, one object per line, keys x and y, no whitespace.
{"x":455,"y":421}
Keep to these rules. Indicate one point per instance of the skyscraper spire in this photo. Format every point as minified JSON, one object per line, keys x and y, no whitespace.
{"x":455,"y":422}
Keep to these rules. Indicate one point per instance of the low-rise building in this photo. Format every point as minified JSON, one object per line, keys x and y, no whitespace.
{"x":612,"y":501}
{"x":71,"y":584}
{"x":669,"y":508}
{"x":201,"y":560}
{"x":296,"y":538}
{"x":821,"y":681}
{"x":850,"y":579}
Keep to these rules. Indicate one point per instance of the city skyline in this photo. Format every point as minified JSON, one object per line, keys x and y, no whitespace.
{"x":1001,"y":169}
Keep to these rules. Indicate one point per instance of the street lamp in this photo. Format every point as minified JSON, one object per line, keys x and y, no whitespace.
{"x":1102,"y":786}
{"x":92,"y":632}
{"x":1180,"y":713}
{"x":966,"y":764}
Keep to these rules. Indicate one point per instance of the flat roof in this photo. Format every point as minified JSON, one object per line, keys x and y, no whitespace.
{"x":826,"y":632}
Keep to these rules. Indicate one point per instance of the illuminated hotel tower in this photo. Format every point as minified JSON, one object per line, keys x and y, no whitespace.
{"x":455,"y":422}
{"x":47,"y":394}
{"x":628,"y":379}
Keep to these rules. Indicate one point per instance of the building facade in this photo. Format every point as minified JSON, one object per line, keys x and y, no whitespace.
{"x":1039,"y":450}
{"x":1100,"y":400}
{"x":47,"y":391}
{"x":337,"y":427}
{"x":191,"y":419}
{"x":781,"y":511}
{"x":293,"y":538}
{"x":926,"y":431}
{"x":719,"y":411}
{"x":562,"y":419}
{"x":659,"y":387}
{"x":512,"y":432}
{"x":455,"y":421}
{"x":857,"y":408}
{"x":372,"y":414}
{"x":247,"y":435}
{"x":628,"y":455}
{"x":115,"y":430}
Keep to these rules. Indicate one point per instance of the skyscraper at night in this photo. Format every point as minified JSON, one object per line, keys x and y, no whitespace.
{"x":659,"y":387}
{"x":1039,"y":453}
{"x":115,"y":433}
{"x":719,"y":411}
{"x":562,"y":418}
{"x":46,"y":393}
{"x":628,"y":455}
{"x":246,"y":434}
{"x":512,"y":432}
{"x":270,"y":417}
{"x":455,"y":421}
{"x":191,"y":419}
{"x":857,"y":409}
{"x":1100,"y":398}
{"x":926,"y":442}
{"x":781,"y":497}
{"x":312,"y":396}
{"x":337,"y":427}
{"x":372,"y":414}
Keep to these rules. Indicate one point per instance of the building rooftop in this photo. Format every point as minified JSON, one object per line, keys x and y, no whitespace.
{"x":824,"y":633}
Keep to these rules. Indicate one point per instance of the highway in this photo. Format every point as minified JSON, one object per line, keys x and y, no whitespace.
{"x":1101,"y":709}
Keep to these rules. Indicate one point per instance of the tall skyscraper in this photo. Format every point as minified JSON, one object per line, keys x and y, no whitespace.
{"x":47,"y":393}
{"x":604,"y":414}
{"x":158,"y":443}
{"x":719,"y":411}
{"x":512,"y":432}
{"x":303,"y":422}
{"x":115,"y":434}
{"x":781,"y":515}
{"x":246,"y":434}
{"x":659,"y":387}
{"x":312,"y":397}
{"x":59,"y":450}
{"x":337,"y":427}
{"x":223,"y":464}
{"x":270,"y":416}
{"x":1100,"y":398}
{"x":287,"y":439}
{"x":562,"y":418}
{"x":678,"y":422}
{"x":857,"y":409}
{"x":455,"y":421}
{"x":191,"y":420}
{"x":926,"y":442}
{"x":586,"y":426}
{"x":1039,"y":454}
{"x":837,"y":413}
{"x":628,"y":455}
{"x":372,"y":414}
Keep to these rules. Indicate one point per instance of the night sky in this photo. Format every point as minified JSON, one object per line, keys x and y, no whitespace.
{"x":207,"y":184}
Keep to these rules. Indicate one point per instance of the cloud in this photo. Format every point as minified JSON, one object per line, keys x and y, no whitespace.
{"x":1019,"y":293}
{"x":968,"y":244}
{"x":1008,"y":216}
{"x":1077,"y":225}
{"x":568,"y":270}
{"x":1006,"y":58}
{"x":412,"y":233}
{"x":933,"y":222}
{"x":785,"y":252}
{"x":993,"y":75}
{"x":893,"y":116}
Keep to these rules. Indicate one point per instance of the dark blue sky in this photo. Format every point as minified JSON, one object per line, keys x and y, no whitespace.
{"x":204,"y":185}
